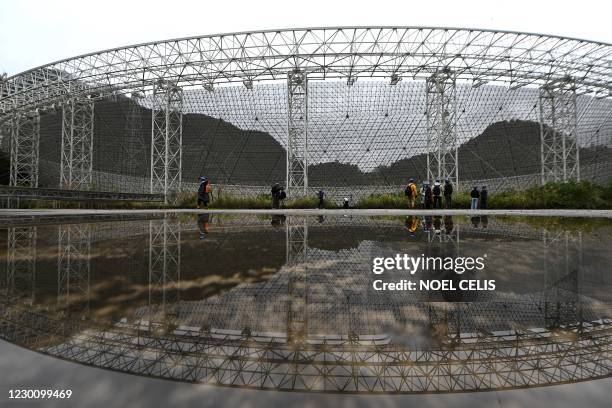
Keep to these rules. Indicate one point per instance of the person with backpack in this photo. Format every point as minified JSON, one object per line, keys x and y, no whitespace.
{"x":437,"y":195}
{"x":411,"y":192}
{"x":204,"y":192}
{"x":448,"y":193}
{"x":427,"y":195}
{"x":474,"y":195}
{"x":484,"y":195}
{"x":321,"y":196}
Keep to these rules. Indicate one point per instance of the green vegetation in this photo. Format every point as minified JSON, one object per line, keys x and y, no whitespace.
{"x":583,"y":195}
{"x":572,"y":195}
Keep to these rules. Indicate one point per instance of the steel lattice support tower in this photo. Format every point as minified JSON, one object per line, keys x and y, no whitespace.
{"x":297,"y":133}
{"x":74,"y":266}
{"x":77,"y":144}
{"x":21,"y":260}
{"x":441,"y":111}
{"x":134,"y":142}
{"x":166,"y":139}
{"x":559,"y":132}
{"x":24,"y":146}
{"x":164,"y":262}
{"x":297,"y":286}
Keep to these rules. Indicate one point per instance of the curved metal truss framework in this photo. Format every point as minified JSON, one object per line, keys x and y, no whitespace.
{"x":443,"y":57}
{"x":572,"y":347}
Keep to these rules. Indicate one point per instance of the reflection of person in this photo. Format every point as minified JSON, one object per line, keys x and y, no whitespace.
{"x":204,"y":224}
{"x":278,"y":220}
{"x":448,"y":224}
{"x":475,"y":222}
{"x":412,"y":223}
{"x":437,"y":224}
{"x":485,"y":221}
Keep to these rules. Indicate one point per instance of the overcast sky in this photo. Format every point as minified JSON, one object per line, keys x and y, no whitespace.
{"x":33,"y":33}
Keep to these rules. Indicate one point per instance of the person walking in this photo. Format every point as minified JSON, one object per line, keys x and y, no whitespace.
{"x":437,"y":194}
{"x":475,"y":195}
{"x":484,"y":195}
{"x":411,"y":193}
{"x":204,"y":192}
{"x":321,"y":196}
{"x":448,"y":194}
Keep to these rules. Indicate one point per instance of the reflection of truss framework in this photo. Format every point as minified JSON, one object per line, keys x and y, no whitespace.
{"x":297,"y":133}
{"x":77,"y":144}
{"x":21,"y":260}
{"x":441,"y":127}
{"x":447,"y":233}
{"x":24,"y":147}
{"x":74,"y":265}
{"x":562,"y":266}
{"x":166,"y":139}
{"x":297,"y":256}
{"x":559,"y":132}
{"x":164,"y":262}
{"x":472,"y":363}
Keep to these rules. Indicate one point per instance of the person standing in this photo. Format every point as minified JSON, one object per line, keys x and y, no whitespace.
{"x":484,"y":195}
{"x":437,"y":194}
{"x":428,"y":196}
{"x":321,"y":196}
{"x":204,"y":191}
{"x":275,"y":191}
{"x":475,"y":195}
{"x":411,"y":193}
{"x":448,"y":194}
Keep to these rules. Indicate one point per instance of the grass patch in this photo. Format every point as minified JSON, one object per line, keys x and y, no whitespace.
{"x":572,"y":195}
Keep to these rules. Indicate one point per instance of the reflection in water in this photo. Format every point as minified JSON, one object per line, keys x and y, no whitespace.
{"x":287,"y":303}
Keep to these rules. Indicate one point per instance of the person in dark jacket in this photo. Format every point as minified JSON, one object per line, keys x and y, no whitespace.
{"x":275,"y":191}
{"x":475,"y":195}
{"x":204,"y":191}
{"x":437,"y":194}
{"x":448,"y":194}
{"x":321,"y":196}
{"x":484,"y":195}
{"x":428,"y":196}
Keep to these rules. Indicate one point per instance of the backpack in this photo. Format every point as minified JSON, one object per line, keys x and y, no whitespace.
{"x":208,"y":188}
{"x":436,"y":190}
{"x":282,"y":195}
{"x":408,"y":191}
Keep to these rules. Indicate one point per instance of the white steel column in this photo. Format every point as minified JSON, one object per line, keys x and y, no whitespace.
{"x":77,"y":144}
{"x":297,"y":133}
{"x":24,"y":148}
{"x":559,"y":132}
{"x":442,"y":160}
{"x":166,"y":139}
